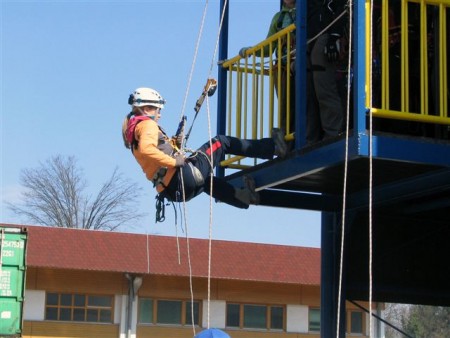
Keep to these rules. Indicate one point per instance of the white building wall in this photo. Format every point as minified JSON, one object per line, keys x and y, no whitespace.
{"x":381,"y":329}
{"x":217,"y":314}
{"x":121,"y":311}
{"x":297,"y":318}
{"x":134,"y":317}
{"x":117,"y":308}
{"x":378,"y":328}
{"x":34,"y":305}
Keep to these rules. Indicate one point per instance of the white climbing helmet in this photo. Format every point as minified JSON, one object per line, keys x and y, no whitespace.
{"x":146,"y":97}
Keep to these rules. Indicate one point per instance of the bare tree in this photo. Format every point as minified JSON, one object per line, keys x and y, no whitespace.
{"x":420,"y":321}
{"x":54,"y":196}
{"x":396,"y":314}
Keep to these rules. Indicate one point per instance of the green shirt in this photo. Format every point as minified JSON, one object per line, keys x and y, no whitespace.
{"x":282,"y":19}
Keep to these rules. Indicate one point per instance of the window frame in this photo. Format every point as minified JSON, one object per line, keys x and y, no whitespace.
{"x":268,"y":315}
{"x":63,"y":308}
{"x":185,"y":303}
{"x":309,"y":319}
{"x":350,"y":322}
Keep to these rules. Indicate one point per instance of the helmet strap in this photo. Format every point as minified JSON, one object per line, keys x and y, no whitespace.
{"x":142,"y":112}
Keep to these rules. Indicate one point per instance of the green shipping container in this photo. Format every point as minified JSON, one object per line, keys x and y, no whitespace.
{"x":12,"y":280}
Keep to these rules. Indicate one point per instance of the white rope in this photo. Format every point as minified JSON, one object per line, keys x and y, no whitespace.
{"x":182,"y":181}
{"x":210,"y":213}
{"x":200,"y":32}
{"x":225,"y":4}
{"x":293,"y":52}
{"x":370,"y":173}
{"x":211,"y":162}
{"x":181,"y":170}
{"x":327,"y":27}
{"x":188,"y":250}
{"x":344,"y":192}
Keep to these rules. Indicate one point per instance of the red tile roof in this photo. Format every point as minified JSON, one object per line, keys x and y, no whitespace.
{"x":75,"y":249}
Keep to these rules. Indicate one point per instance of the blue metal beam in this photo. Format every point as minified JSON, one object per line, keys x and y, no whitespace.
{"x":298,"y":165}
{"x":359,"y":78}
{"x":222,"y":77}
{"x":299,"y":200}
{"x":423,"y":185}
{"x":300,"y":76}
{"x":406,"y":149}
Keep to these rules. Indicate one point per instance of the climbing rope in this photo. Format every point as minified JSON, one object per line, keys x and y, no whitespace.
{"x":344,"y":192}
{"x":199,"y":36}
{"x":188,"y":251}
{"x":210,"y":215}
{"x":211,"y":161}
{"x":370,"y":173}
{"x":181,"y":170}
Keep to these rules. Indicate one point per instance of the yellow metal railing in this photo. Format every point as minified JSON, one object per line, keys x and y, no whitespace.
{"x":402,"y":81}
{"x":258,"y":95}
{"x":408,"y":80}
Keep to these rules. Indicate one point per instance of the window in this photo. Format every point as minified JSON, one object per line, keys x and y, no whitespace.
{"x":276,"y":317}
{"x":356,"y":322}
{"x":168,"y":312}
{"x":253,"y":316}
{"x":79,"y":307}
{"x":233,"y":315}
{"x":314,"y":320}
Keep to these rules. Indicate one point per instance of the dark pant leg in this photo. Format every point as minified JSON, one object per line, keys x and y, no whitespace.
{"x":223,"y":191}
{"x":222,"y":145}
{"x":314,"y":131}
{"x":330,"y":106}
{"x":183,"y":178}
{"x":218,"y":148}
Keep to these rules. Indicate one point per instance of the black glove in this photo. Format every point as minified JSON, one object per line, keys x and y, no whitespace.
{"x":333,"y":47}
{"x":242,"y":51}
{"x":179,"y":160}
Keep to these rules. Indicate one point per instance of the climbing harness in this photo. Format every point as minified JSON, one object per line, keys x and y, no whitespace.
{"x":160,"y":209}
{"x":178,"y":146}
{"x":158,"y":178}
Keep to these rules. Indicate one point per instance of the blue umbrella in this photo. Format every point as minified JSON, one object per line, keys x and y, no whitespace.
{"x":212,"y":333}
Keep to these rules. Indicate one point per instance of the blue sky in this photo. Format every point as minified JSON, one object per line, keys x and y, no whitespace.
{"x":67,"y":68}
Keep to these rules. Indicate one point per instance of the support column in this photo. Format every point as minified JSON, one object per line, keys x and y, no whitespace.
{"x":329,"y":285}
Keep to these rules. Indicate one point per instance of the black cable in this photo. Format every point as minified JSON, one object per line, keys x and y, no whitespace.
{"x":381,"y":319}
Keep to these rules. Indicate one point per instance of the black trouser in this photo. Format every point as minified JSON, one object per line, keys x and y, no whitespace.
{"x":201,"y":160}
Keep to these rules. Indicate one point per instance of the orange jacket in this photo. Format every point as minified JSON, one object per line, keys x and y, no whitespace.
{"x":151,"y":139}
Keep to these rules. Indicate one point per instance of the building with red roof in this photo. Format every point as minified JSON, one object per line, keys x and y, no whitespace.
{"x":83,"y":283}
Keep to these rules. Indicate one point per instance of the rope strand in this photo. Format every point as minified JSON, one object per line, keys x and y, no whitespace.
{"x":344,"y":192}
{"x":200,"y":33}
{"x":211,"y":161}
{"x":370,"y":175}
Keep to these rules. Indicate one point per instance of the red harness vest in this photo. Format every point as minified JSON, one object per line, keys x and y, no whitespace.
{"x":129,"y":134}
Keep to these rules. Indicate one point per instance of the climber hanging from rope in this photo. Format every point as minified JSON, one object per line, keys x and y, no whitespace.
{"x":170,"y":169}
